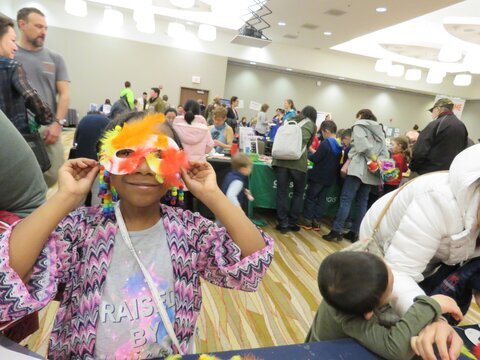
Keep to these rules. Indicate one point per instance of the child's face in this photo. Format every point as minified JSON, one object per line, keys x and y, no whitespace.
{"x":140,"y":188}
{"x":396,"y":147}
{"x":388,"y":292}
{"x":246,"y":170}
{"x":347,"y":140}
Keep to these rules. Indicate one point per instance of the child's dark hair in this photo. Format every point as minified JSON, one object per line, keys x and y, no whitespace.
{"x":329,"y":125}
{"x":353,"y":282}
{"x":403,"y":141}
{"x":309,"y":112}
{"x":191,"y":108}
{"x":241,"y":160}
{"x":346,"y":133}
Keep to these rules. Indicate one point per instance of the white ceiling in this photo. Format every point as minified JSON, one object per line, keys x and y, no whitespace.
{"x":308,"y":53}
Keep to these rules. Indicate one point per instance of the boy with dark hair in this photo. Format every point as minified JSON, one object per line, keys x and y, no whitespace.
{"x":128,"y":93}
{"x":351,"y":296}
{"x":326,"y":163}
{"x":234,"y":184}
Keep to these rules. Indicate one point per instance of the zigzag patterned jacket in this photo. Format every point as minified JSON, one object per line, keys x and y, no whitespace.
{"x":78,"y":254}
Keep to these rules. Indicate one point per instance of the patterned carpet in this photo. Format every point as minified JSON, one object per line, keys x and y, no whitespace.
{"x":279,"y":313}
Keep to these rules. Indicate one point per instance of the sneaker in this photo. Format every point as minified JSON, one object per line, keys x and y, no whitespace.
{"x":305,"y":223}
{"x":351,"y":236}
{"x":282,"y":229}
{"x":316,"y":225}
{"x":294,"y":228}
{"x":332,"y":235}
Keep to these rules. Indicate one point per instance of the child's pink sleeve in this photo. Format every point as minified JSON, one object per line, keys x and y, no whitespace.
{"x":219,"y":257}
{"x":18,"y":299}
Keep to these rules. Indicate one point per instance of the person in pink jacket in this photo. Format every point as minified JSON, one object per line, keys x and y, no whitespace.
{"x":193,"y":132}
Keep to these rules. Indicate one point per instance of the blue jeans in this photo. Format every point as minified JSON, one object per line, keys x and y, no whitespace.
{"x":285,"y":216}
{"x":353,"y":189}
{"x":315,"y":199}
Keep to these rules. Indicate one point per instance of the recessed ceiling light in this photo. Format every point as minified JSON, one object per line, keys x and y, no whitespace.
{"x":189,"y":23}
{"x":281,"y":23}
{"x":393,"y":87}
{"x":381,"y":9}
{"x":253,"y":63}
{"x":288,"y":69}
{"x":327,"y":33}
{"x":341,"y":78}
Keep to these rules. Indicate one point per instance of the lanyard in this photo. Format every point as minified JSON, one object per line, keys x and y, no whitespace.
{"x":156,"y":296}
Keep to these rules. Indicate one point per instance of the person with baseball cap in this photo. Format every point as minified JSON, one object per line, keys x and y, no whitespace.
{"x":442,"y":139}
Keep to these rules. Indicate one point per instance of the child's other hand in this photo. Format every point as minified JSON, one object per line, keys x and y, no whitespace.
{"x":448,"y":305}
{"x":75,"y":177}
{"x":200,"y":179}
{"x":217,"y":143}
{"x":248,"y":194}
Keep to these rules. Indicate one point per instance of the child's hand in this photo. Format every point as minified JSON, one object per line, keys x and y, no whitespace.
{"x":448,"y":305}
{"x":75,"y":177}
{"x":248,"y":194}
{"x":200,"y":179}
{"x":217,"y":143}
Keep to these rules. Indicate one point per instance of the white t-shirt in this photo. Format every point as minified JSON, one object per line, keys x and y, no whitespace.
{"x":129,"y":325}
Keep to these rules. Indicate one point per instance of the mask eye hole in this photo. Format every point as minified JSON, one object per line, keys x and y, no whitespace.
{"x":124,"y":153}
{"x":157,"y":154}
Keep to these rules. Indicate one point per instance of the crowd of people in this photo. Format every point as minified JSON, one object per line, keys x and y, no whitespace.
{"x":147,"y":162}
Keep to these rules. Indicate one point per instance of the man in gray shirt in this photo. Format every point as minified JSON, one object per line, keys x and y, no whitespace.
{"x":47,"y":73}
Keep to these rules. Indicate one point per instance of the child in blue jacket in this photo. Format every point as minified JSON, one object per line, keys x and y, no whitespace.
{"x":326,"y":165}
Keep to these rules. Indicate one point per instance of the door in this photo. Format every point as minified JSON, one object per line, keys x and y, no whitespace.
{"x":193,"y":94}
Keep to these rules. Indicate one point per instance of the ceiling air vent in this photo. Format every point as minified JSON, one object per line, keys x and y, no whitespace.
{"x":335,"y":12}
{"x":290,"y":36}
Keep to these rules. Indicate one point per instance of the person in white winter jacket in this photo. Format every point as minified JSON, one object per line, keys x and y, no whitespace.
{"x":433,"y":220}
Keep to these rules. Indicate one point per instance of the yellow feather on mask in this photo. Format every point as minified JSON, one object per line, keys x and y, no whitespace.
{"x":144,"y":133}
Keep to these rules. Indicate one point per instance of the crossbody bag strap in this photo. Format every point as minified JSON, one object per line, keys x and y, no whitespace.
{"x":389,"y":203}
{"x":156,"y":296}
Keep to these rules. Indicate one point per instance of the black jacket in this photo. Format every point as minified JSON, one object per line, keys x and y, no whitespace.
{"x":438,"y":144}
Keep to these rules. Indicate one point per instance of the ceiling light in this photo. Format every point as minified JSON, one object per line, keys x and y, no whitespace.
{"x":381,"y":9}
{"x":185,"y":4}
{"x":393,"y":87}
{"x":288,"y":69}
{"x":207,"y":32}
{"x":327,"y":33}
{"x":341,"y":78}
{"x":450,"y":53}
{"x":382,"y":65}
{"x":472,"y":61}
{"x":76,"y":7}
{"x":147,"y":24}
{"x":396,"y":70}
{"x":253,"y":63}
{"x":189,"y":23}
{"x":413,"y":74}
{"x":462,"y":80}
{"x":281,"y":23}
{"x":112,"y":18}
{"x":176,"y":30}
{"x":435,"y":76}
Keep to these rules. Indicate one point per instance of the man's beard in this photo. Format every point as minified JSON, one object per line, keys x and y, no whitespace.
{"x":38,"y":42}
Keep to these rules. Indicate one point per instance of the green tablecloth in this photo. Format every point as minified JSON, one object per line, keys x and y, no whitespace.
{"x":263,"y":186}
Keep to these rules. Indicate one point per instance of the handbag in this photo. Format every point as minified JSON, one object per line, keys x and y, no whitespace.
{"x":35,"y":141}
{"x":344,"y":169}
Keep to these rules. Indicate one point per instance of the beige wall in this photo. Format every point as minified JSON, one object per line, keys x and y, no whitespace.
{"x":99,"y":65}
{"x":471,"y":117}
{"x":342,"y":99}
